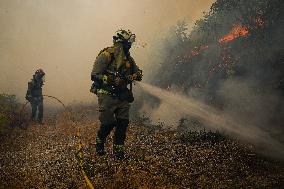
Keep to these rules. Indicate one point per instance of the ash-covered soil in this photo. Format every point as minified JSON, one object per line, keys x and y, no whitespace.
{"x":43,"y":156}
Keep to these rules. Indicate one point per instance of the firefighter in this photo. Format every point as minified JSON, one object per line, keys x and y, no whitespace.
{"x":113,"y":72}
{"x":34,"y":95}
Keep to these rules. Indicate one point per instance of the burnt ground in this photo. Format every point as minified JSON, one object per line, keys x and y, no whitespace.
{"x":43,"y":156}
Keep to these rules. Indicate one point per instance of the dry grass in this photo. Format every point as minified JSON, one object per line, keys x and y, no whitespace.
{"x":44,"y":157}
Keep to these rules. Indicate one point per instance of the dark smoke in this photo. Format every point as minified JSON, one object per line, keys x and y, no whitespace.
{"x":243,"y":77}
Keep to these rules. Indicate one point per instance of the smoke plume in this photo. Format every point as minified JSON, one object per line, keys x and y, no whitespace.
{"x":64,"y":37}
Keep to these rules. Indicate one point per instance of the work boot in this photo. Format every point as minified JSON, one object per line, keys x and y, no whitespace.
{"x":100,"y":147}
{"x":118,"y":151}
{"x":103,"y":132}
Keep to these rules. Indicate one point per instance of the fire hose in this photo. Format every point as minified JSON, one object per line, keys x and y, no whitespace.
{"x":24,"y":106}
{"x":79,"y":154}
{"x":56,"y":99}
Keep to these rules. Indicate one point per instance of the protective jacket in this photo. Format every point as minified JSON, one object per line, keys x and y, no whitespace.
{"x":34,"y":89}
{"x":34,"y":96}
{"x":111,"y":63}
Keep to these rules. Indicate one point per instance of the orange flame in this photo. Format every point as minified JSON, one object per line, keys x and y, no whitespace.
{"x":237,"y":31}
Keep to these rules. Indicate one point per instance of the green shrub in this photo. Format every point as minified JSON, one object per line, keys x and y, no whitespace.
{"x":11,"y":113}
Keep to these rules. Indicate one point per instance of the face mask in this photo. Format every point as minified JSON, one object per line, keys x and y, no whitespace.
{"x":43,"y":78}
{"x":132,"y":38}
{"x":126,"y":46}
{"x":39,"y":77}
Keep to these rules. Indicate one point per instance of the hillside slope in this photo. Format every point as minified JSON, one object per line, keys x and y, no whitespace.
{"x":44,"y":157}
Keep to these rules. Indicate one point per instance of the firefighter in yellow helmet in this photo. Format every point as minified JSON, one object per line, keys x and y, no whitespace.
{"x":113,"y":72}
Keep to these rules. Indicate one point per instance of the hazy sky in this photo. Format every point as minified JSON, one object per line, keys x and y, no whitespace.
{"x":63,"y":38}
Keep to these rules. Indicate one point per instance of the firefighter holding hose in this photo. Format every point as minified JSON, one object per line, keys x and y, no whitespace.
{"x":34,"y":96}
{"x":113,"y":72}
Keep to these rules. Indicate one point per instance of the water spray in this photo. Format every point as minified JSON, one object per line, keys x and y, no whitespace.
{"x":216,"y":119}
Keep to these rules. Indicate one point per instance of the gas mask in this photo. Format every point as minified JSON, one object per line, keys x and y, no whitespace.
{"x":128,"y":43}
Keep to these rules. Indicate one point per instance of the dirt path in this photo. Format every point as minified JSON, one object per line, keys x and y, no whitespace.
{"x":43,"y":157}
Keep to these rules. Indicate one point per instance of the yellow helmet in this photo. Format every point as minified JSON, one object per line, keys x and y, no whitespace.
{"x":124,"y":35}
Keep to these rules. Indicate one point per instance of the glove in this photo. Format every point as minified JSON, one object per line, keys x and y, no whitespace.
{"x":136,"y":76}
{"x":108,"y":79}
{"x":119,"y":82}
{"x":114,"y":80}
